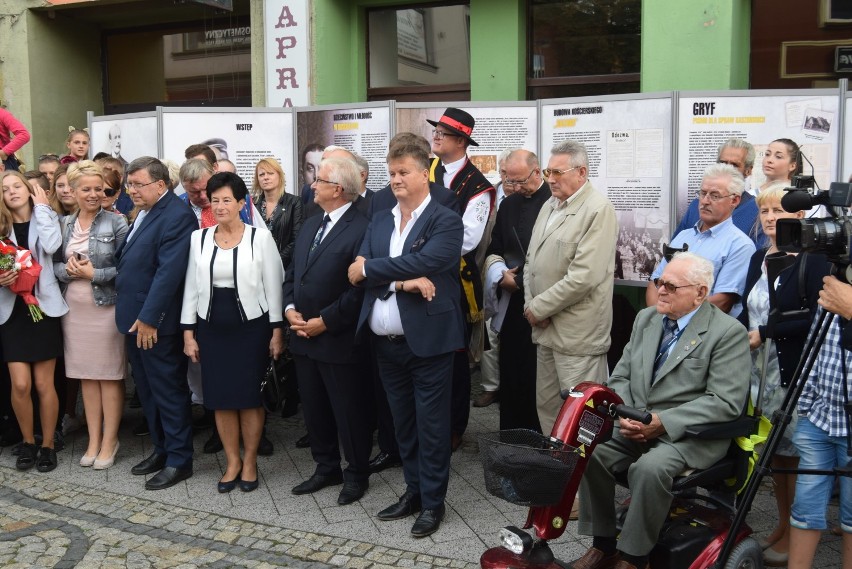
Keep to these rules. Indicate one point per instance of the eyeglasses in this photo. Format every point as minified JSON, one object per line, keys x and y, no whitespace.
{"x":555,"y":172}
{"x":138,"y":186}
{"x":439,"y":134}
{"x":109,"y":192}
{"x":729,"y":163}
{"x":671,"y":288}
{"x":713,"y":196}
{"x":518,"y":182}
{"x":318,"y":179}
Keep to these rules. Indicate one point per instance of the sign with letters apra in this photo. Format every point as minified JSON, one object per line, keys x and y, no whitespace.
{"x":843,"y":59}
{"x":287,"y":52}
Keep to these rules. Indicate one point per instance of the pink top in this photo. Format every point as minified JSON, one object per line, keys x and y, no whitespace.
{"x":9,"y":126}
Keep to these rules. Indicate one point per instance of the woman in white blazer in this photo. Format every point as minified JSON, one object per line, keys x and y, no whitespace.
{"x":30,"y":348}
{"x":232,"y":319}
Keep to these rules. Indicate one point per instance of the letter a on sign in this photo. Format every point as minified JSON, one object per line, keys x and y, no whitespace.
{"x":285,"y":20}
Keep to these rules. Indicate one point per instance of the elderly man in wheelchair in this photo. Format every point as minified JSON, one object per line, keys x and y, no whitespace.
{"x":687,"y":364}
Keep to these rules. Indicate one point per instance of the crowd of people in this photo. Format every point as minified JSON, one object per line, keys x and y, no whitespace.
{"x":381,"y":297}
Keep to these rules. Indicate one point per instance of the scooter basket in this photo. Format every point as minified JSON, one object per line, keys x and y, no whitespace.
{"x":525,"y":467}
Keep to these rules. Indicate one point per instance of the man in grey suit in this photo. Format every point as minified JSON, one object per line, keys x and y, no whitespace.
{"x":687,"y":363}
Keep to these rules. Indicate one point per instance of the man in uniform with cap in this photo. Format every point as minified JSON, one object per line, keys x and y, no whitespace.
{"x":453,"y":169}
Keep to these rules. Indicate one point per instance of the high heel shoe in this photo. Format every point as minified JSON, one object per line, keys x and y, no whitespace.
{"x":107,"y":462}
{"x":87,"y":460}
{"x":226,"y":486}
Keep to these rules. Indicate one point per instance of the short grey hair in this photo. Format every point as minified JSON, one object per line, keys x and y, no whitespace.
{"x":346,"y":173}
{"x":739,"y":144}
{"x":700,"y":269}
{"x":362,"y":164}
{"x":577,"y":151}
{"x":333,"y":147}
{"x":717,"y":170}
{"x":157,"y":171}
{"x":504,"y":155}
{"x":194,"y":169}
{"x":528,"y":156}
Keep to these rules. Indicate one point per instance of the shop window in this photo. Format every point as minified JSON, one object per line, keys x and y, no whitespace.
{"x":419,"y":53}
{"x":206,"y":64}
{"x":583,"y":47}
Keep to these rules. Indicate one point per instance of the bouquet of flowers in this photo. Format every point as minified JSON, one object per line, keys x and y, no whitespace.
{"x":13,"y":258}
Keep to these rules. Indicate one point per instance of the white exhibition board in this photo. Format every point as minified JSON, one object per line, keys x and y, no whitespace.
{"x":364,"y":129}
{"x":243,"y":136}
{"x":498,"y":126}
{"x":125,"y":137}
{"x":629,"y":144}
{"x":706,"y":120}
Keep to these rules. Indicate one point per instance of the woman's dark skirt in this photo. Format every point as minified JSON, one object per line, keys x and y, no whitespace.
{"x":28,"y":341}
{"x":234,"y":354}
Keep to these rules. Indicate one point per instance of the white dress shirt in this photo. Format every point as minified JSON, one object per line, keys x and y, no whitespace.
{"x":384,"y":317}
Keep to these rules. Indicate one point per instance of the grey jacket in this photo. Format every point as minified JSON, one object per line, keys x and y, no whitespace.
{"x":44,"y":240}
{"x":106,"y":234}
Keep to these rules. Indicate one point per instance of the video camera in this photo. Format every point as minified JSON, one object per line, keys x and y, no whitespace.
{"x":831,"y":236}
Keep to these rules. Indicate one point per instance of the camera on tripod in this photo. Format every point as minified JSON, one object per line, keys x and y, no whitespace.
{"x":831,"y":236}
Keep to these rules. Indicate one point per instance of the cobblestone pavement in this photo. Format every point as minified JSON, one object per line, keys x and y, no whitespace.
{"x":76,"y":517}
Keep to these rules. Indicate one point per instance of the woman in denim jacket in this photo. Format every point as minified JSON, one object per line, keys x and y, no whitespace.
{"x":94,"y":349}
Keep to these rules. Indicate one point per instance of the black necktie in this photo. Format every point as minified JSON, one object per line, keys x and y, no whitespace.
{"x":669,"y":336}
{"x":320,"y":233}
{"x":439,"y":173}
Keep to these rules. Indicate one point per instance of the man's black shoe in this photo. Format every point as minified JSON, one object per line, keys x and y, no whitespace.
{"x":428,"y":522}
{"x":205,"y":421}
{"x":150,"y":465}
{"x":384,"y":460}
{"x":134,"y":401}
{"x":352,"y":492}
{"x":168,"y":477}
{"x":408,"y":504}
{"x":304,"y":442}
{"x":265,"y":448}
{"x":140,"y":429}
{"x":213,"y":444}
{"x":317,"y":482}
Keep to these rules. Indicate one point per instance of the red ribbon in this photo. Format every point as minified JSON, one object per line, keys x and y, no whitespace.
{"x":456,"y":125}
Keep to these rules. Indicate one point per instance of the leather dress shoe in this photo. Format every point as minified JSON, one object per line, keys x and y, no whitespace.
{"x":304,"y":442}
{"x":317,"y":482}
{"x":265,"y":447}
{"x":140,"y":429}
{"x":225,"y":486}
{"x":168,"y":477}
{"x":384,"y":460}
{"x":486,"y":398}
{"x":408,"y":504}
{"x":428,"y":521}
{"x":352,"y":492}
{"x":594,"y":558}
{"x":153,"y":463}
{"x":213,"y":444}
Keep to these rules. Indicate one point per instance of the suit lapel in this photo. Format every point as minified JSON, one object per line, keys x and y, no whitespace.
{"x":419,"y":225}
{"x":153,"y":214}
{"x":338,"y":228}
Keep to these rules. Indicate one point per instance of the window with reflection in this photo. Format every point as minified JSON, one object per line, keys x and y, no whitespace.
{"x":419,"y":51}
{"x":583,"y":47}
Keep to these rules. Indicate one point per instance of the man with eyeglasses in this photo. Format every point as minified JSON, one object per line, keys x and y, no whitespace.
{"x":510,"y":240}
{"x":740,"y":154}
{"x":715,"y":237}
{"x":700,"y":375}
{"x":149,"y":286}
{"x":452,"y":168}
{"x":568,"y":281}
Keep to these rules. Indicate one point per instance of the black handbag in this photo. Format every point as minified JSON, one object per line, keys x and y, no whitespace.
{"x":272,"y":385}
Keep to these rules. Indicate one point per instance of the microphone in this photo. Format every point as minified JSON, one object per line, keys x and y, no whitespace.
{"x":794,"y":201}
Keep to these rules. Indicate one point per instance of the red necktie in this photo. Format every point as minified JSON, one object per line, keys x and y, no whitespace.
{"x":207,"y":219}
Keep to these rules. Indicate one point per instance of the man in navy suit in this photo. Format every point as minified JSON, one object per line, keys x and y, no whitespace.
{"x":409,"y":263}
{"x":151,"y":267}
{"x":322,"y":308}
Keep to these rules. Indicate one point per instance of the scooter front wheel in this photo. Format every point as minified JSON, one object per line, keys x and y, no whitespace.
{"x":746,"y":555}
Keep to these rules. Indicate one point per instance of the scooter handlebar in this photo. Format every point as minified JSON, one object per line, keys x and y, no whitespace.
{"x":631,"y":413}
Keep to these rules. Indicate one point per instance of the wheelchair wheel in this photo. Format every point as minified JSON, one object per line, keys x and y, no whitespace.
{"x":746,"y":555}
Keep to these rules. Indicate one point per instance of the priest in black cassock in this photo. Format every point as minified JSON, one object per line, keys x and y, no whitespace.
{"x":506,"y":253}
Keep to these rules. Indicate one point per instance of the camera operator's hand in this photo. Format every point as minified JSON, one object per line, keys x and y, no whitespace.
{"x":836,"y":297}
